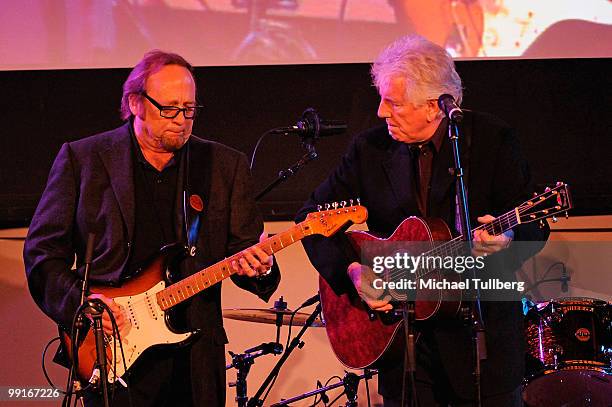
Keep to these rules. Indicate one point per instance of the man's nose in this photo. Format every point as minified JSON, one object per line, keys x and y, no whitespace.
{"x":180,"y":118}
{"x":383,"y":110}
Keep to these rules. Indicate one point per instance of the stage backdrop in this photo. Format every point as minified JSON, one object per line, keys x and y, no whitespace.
{"x":561,"y":109}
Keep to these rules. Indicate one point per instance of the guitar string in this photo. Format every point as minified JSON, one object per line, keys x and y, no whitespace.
{"x":456,"y":243}
{"x":210,"y":275}
{"x":202,"y":279}
{"x":450,"y":246}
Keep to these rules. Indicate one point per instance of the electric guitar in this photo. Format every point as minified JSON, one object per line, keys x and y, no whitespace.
{"x":362,"y":338}
{"x":146,"y":299}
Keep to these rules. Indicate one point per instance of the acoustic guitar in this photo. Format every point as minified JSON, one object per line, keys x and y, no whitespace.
{"x":362,"y":338}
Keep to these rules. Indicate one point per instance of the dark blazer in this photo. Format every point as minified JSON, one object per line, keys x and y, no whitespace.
{"x":91,"y":189}
{"x":379,"y":171}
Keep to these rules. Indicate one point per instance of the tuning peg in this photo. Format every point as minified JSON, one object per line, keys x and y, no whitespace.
{"x":566,"y":215}
{"x":342,"y":204}
{"x":535,"y":194}
{"x":559,"y":183}
{"x":358,"y":201}
{"x":554,"y":219}
{"x":319,"y":208}
{"x":350,"y":202}
{"x":547,"y":189}
{"x":335,"y":205}
{"x":327,"y":206}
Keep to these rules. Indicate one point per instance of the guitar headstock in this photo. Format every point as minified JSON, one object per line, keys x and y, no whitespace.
{"x":332,"y":217}
{"x":549,"y":203}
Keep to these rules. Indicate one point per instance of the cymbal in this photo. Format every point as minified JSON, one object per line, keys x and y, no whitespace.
{"x":268,"y":316}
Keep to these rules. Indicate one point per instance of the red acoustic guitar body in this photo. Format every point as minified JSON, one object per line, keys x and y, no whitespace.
{"x":362,"y":338}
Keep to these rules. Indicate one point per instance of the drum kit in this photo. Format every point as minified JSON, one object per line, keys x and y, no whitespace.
{"x":568,"y":352}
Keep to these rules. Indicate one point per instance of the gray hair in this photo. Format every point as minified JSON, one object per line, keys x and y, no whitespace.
{"x":429,"y":71}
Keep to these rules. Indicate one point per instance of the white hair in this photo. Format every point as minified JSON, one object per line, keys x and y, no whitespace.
{"x":428,"y":70}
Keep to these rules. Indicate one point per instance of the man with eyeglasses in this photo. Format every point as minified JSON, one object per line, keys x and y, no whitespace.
{"x":139,"y":187}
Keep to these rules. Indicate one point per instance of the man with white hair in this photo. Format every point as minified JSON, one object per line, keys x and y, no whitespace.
{"x":401,"y":169}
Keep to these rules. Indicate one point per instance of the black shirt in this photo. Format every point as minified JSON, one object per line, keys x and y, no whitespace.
{"x":155,"y":197}
{"x":423,"y":156}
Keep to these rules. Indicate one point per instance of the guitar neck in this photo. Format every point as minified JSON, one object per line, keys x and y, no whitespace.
{"x":192,"y":285}
{"x":500,"y":224}
{"x":457,"y":245}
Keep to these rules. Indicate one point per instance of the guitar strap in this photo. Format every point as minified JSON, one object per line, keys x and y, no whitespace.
{"x":192,"y":205}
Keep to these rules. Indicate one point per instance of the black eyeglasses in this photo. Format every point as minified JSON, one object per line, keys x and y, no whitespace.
{"x":170,"y":112}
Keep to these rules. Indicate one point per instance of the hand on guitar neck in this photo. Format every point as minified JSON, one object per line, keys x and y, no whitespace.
{"x":485,"y":243}
{"x":255,"y":261}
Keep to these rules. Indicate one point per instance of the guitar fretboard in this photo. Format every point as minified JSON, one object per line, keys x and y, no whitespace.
{"x":457,"y":246}
{"x":192,"y":285}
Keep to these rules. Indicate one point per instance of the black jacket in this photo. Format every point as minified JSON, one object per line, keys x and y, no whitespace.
{"x":91,"y":188}
{"x":379,"y":171}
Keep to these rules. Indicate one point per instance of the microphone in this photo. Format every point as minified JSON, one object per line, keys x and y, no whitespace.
{"x":91,"y":239}
{"x":311,"y":125}
{"x":451,"y":109}
{"x":265,"y":348}
{"x":312,"y":300}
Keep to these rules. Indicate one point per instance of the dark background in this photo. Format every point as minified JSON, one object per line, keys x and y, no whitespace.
{"x":561,"y":109}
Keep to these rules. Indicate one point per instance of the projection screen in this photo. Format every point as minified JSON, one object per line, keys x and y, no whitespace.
{"x":56,"y":34}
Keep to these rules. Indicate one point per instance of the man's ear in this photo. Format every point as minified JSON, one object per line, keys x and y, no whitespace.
{"x":433,"y":110}
{"x":136,"y":107}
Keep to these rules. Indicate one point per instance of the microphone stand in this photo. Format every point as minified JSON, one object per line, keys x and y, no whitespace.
{"x":475,"y":314}
{"x":283,"y":175}
{"x":256,"y":400}
{"x":95,"y":308}
{"x":408,"y":316}
{"x":243,"y":362}
{"x":72,"y":382}
{"x":311,"y":125}
{"x":279,"y":305}
{"x":350,"y":382}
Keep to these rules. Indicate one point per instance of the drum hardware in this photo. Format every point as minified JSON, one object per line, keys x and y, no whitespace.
{"x":350,"y":382}
{"x":269,"y":315}
{"x":278,"y":315}
{"x":267,"y":384}
{"x":242,"y":363}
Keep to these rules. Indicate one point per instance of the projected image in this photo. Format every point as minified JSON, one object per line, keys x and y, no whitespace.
{"x":111,"y":33}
